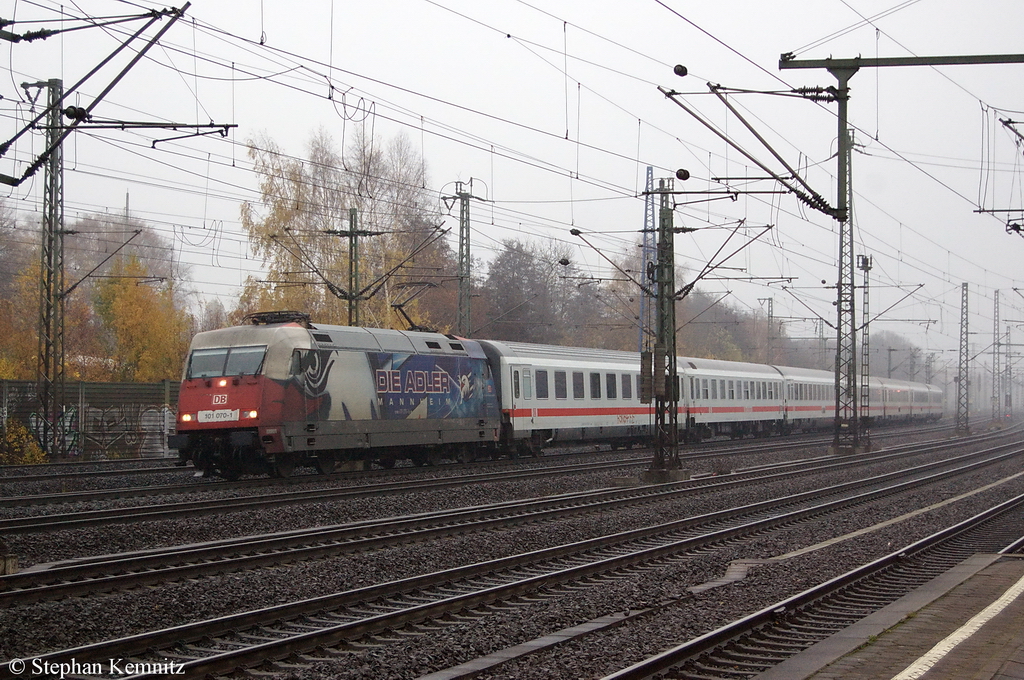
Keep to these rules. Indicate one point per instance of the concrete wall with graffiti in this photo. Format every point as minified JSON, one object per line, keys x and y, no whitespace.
{"x":100,"y":420}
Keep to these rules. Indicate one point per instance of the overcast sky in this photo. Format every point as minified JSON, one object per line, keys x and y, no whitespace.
{"x":552,"y":108}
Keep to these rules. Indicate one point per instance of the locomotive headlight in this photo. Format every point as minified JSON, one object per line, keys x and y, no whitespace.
{"x":250,"y":414}
{"x":222,"y":382}
{"x":186,"y":417}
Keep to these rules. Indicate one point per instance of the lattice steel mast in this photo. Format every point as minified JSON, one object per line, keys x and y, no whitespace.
{"x":997,"y":374}
{"x":846,"y":435}
{"x":353,"y":267}
{"x":463,"y":321}
{"x":50,"y":363}
{"x":666,"y":383}
{"x":963,"y":425}
{"x":864,"y":263}
{"x":647,"y":260}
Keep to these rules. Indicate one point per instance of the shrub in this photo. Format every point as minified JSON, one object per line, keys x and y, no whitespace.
{"x":19,"y":447}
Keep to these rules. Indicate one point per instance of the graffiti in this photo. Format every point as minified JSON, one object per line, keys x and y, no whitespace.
{"x":64,"y":429}
{"x":104,"y":420}
{"x":126,"y":430}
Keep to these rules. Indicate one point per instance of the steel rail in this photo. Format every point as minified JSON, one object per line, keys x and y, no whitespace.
{"x":382,"y":607}
{"x":776,"y":614}
{"x":93,"y":518}
{"x":168,"y":489}
{"x":104,"y":573}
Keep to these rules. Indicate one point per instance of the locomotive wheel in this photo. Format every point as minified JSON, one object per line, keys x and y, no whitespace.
{"x":325,"y":464}
{"x":230,"y":475}
{"x":284,"y":467}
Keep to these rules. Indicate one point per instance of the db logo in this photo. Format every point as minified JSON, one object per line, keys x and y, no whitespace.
{"x":220,"y":399}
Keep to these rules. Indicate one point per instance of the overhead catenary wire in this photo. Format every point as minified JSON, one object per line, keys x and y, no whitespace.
{"x":633,"y":191}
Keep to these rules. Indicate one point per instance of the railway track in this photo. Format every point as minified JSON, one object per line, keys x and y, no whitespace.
{"x":764,"y":639}
{"x":714,"y":450}
{"x":71,"y":471}
{"x":85,"y":518}
{"x":303,"y":631}
{"x":105,"y":573}
{"x":76,"y":519}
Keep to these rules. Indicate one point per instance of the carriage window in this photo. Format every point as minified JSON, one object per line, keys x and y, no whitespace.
{"x":746,"y":389}
{"x":732,"y":390}
{"x":704,"y":388}
{"x":714,"y":389}
{"x":561,"y":391}
{"x":542,"y":383}
{"x":515,"y":384}
{"x":627,"y":386}
{"x":610,"y":385}
{"x":771,"y":390}
{"x":693,"y":388}
{"x":527,"y":384}
{"x":577,"y":385}
{"x":226,"y":361}
{"x":595,"y":385}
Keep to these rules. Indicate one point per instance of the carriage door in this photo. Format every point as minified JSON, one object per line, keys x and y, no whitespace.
{"x":522,"y":396}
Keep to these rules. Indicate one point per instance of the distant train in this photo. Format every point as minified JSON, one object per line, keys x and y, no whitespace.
{"x":284,"y":392}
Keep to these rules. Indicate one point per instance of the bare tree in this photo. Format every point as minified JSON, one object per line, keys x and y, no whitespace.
{"x":301,"y":223}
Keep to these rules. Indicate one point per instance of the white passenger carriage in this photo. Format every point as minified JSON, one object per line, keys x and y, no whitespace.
{"x":569,"y":394}
{"x":810,"y":398}
{"x":899,"y":400}
{"x":731,"y":398}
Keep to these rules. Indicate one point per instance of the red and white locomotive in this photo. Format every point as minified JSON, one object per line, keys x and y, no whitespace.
{"x":281,"y":392}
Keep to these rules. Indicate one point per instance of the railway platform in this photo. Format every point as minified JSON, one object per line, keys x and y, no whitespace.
{"x":967,"y":624}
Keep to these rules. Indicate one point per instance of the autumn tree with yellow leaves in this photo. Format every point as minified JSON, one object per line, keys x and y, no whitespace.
{"x":146,"y":334}
{"x":125,"y":321}
{"x":299,"y":227}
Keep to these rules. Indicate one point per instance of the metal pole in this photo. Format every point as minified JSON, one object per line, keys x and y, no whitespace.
{"x":647,"y":259}
{"x":864,"y":262}
{"x":666,"y":382}
{"x":463,"y":324}
{"x":846,"y":434}
{"x":353,"y":267}
{"x":50,"y":365}
{"x":996,"y":356}
{"x":963,"y":425}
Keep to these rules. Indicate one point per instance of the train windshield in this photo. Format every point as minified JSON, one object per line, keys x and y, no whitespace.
{"x":226,"y":361}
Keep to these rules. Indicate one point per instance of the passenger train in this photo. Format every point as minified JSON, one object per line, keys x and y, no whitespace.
{"x":283,"y":392}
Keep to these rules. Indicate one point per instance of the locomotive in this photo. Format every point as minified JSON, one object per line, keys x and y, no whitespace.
{"x":281,"y":392}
